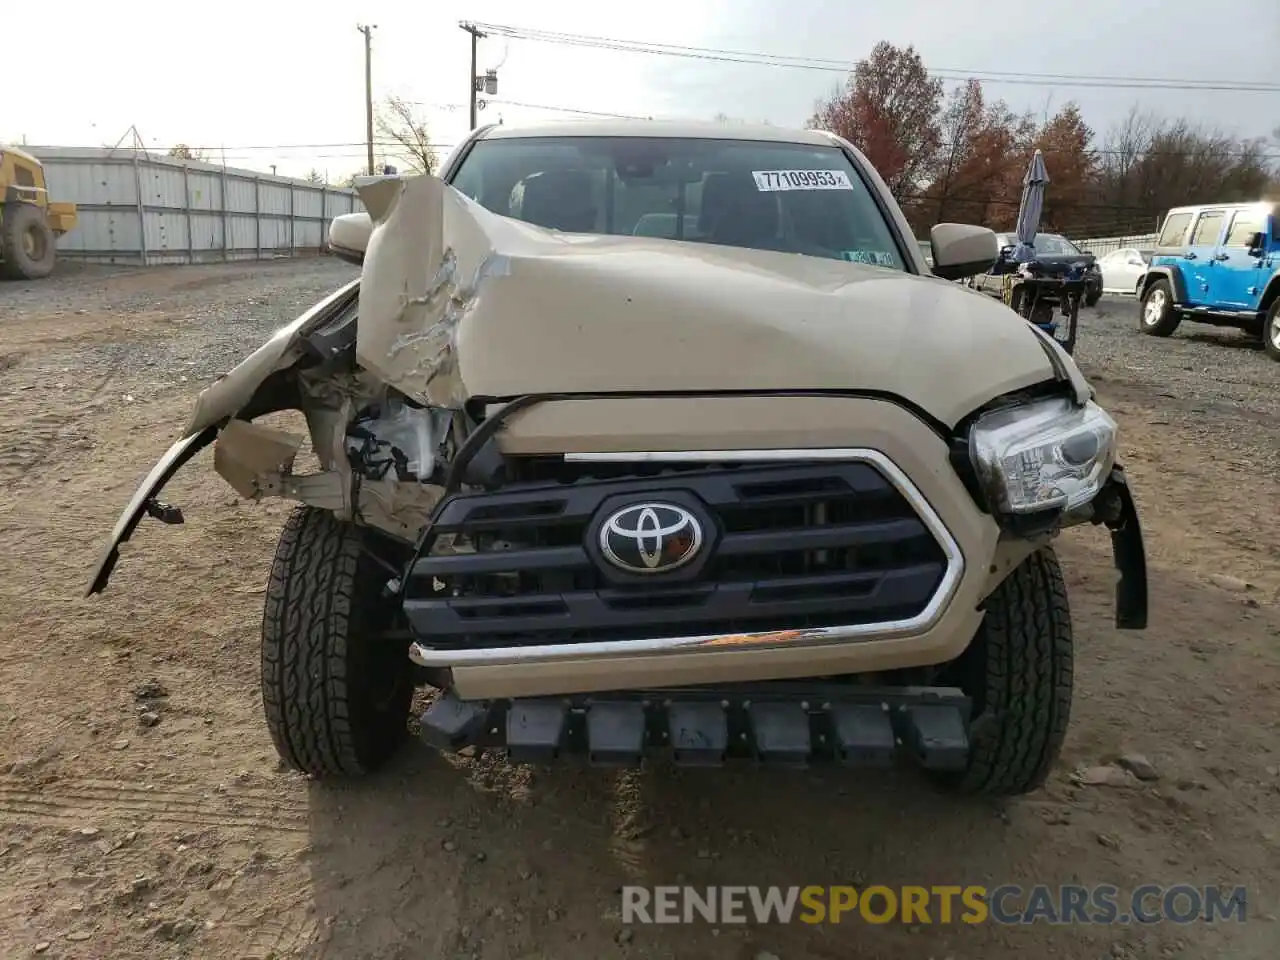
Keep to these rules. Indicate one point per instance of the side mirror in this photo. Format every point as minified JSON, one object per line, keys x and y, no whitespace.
{"x":349,"y":236}
{"x":961,"y":250}
{"x":1257,"y":244}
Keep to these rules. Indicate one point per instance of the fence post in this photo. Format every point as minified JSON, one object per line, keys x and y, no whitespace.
{"x":186,"y":192}
{"x":257,"y":212}
{"x":292,"y":221}
{"x":226,"y":229}
{"x":324,"y":215}
{"x":142,"y":210}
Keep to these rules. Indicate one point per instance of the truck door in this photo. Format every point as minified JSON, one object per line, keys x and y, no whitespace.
{"x":1197,"y":259}
{"x":1237,"y":276}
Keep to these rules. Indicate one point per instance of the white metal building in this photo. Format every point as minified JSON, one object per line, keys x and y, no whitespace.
{"x":138,"y":208}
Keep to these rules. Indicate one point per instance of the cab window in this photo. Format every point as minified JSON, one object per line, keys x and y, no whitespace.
{"x":1245,"y":224}
{"x":1175,"y":228}
{"x":1207,"y":229}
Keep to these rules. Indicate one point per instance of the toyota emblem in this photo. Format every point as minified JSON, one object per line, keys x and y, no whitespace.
{"x":650,"y":537}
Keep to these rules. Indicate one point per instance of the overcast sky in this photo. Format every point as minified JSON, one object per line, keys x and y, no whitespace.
{"x":241,"y":75}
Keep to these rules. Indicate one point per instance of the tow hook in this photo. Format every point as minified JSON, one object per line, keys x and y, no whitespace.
{"x":164,"y":512}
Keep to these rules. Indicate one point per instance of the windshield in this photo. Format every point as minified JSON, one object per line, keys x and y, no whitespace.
{"x":788,"y":197}
{"x":1049,"y":244}
{"x":1053,"y":245}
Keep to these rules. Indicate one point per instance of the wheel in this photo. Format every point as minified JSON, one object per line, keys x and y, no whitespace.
{"x":1271,"y":331}
{"x":1092,"y":295}
{"x":1158,"y":318}
{"x":27,"y":244}
{"x":336,"y":697}
{"x":1018,"y":670}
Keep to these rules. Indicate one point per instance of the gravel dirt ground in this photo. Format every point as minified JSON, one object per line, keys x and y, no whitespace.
{"x":143,"y":813}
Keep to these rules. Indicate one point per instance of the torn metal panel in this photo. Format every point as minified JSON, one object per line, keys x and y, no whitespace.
{"x":246,"y":454}
{"x":430,"y":256}
{"x":257,"y":462}
{"x":398,"y":508}
{"x":231,"y":392}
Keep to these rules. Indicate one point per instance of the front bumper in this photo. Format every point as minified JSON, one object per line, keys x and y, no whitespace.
{"x":773,"y":723}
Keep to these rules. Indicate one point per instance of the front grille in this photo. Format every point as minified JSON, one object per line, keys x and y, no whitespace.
{"x":789,"y":547}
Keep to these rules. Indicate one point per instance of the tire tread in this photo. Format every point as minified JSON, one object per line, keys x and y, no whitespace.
{"x":1028,"y":680}
{"x":306,"y":621}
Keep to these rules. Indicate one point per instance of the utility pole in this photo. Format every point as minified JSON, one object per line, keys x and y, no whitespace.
{"x":472,"y":81}
{"x":367,"y":30}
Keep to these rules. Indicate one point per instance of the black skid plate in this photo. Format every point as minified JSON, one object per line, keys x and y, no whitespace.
{"x":780,"y":724}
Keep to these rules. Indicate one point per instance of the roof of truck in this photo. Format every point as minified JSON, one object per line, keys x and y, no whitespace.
{"x":707,"y":129}
{"x":19,"y":152}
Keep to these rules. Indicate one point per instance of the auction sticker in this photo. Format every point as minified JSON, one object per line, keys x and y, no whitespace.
{"x":801,"y":180}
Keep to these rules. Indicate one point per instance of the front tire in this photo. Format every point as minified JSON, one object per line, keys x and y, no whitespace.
{"x":27,"y":244}
{"x":1271,"y":331}
{"x":1092,"y":295}
{"x":1018,"y":670}
{"x":336,"y":697}
{"x":1158,"y":318}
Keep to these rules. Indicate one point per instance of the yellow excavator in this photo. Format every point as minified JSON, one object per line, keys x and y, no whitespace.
{"x":30,"y":223}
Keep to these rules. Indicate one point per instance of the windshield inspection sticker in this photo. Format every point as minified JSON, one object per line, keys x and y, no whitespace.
{"x":875,"y":258}
{"x":801,"y":180}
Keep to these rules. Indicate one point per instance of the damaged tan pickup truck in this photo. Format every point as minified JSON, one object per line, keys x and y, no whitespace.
{"x":642,"y":438}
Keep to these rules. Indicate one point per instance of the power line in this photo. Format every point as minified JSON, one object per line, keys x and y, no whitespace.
{"x":531,"y":106}
{"x":584,"y":113}
{"x":1016,"y":201}
{"x":838,"y":66}
{"x":217,"y":151}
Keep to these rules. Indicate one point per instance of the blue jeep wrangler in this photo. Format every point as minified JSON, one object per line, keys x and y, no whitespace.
{"x":1218,"y":264}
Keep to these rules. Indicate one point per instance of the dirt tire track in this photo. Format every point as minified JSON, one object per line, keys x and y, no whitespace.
{"x":26,"y":445}
{"x":63,"y":800}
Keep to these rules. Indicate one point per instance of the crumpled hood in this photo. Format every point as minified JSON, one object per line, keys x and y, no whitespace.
{"x":457,"y":302}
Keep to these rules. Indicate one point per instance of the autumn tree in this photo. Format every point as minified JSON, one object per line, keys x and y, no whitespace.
{"x":964,"y":157}
{"x":973,"y":172}
{"x":888,"y":109}
{"x":398,"y":121}
{"x":1066,"y":142}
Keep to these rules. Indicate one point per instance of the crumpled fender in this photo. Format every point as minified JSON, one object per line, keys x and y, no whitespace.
{"x":144,"y":501}
{"x":234,"y":390}
{"x":223,"y":399}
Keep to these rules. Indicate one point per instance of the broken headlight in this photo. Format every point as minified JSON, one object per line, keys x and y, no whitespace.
{"x":1043,"y":455}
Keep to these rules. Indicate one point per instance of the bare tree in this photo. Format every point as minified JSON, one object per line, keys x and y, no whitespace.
{"x":1150,"y":164}
{"x":399,"y":122}
{"x":314,"y":176}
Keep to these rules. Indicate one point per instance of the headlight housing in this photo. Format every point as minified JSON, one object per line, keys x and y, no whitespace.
{"x":1043,"y":455}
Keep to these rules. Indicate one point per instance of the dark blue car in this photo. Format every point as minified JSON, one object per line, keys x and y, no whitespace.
{"x":1054,"y":248}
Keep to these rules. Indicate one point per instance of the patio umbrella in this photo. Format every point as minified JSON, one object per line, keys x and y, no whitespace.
{"x":1033,"y":182}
